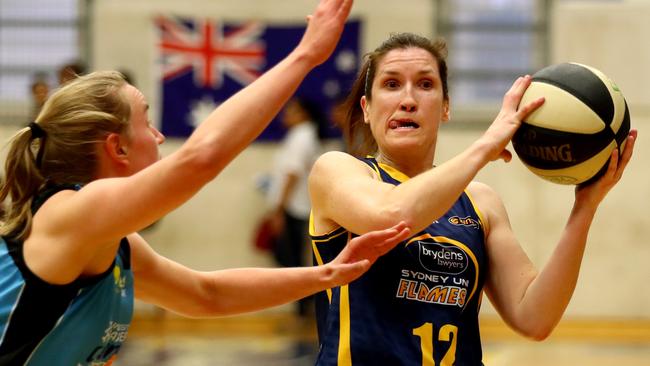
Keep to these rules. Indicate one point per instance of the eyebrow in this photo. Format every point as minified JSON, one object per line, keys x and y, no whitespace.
{"x":421,"y":72}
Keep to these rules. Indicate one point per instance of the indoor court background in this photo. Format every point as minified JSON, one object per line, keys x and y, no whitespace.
{"x":608,"y":319}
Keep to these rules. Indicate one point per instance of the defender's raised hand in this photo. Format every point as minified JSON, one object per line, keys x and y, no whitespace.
{"x":324,"y":29}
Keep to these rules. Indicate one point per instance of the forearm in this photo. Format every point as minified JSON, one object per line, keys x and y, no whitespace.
{"x":240,"y":119}
{"x":428,"y":196}
{"x":233,"y":291}
{"x":236,"y":291}
{"x":548,"y":295}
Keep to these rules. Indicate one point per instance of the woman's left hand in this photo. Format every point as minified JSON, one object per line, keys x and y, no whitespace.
{"x":595,"y":192}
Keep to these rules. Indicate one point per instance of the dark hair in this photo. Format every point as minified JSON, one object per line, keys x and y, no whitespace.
{"x":70,"y":71}
{"x":357,"y":134}
{"x":315,"y":113}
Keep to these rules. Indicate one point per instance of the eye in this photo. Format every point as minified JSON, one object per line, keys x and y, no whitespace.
{"x":391,"y":84}
{"x":426,"y":84}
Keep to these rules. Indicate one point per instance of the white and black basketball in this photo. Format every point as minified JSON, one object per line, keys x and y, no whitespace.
{"x":570,"y":138}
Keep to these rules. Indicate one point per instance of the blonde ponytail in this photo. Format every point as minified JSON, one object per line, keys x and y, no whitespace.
{"x":62,"y":147}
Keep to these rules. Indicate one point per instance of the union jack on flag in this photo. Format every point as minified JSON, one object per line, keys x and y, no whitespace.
{"x":205,"y":61}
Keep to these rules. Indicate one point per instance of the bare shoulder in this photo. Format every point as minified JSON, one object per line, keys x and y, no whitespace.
{"x":339,"y":162}
{"x":332,"y":158}
{"x":51,"y":215}
{"x":487,"y":200}
{"x":480,"y":190}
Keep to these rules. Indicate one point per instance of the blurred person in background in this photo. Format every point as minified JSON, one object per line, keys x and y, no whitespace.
{"x":70,"y":71}
{"x":40,"y":90}
{"x":288,"y":195}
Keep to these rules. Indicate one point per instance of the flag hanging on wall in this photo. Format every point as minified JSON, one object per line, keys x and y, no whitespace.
{"x":202,"y":62}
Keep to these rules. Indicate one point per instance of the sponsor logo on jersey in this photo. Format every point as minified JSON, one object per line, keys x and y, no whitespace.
{"x":120,"y":281}
{"x":442,"y":258}
{"x":464,"y":221}
{"x":433,"y":289}
{"x":114,"y":336}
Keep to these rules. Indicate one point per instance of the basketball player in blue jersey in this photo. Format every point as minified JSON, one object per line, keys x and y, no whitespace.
{"x":86,"y":175}
{"x":419,"y":303}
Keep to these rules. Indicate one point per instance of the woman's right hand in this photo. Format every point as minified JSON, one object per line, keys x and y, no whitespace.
{"x":361,"y":252}
{"x":324,"y":29}
{"x":501,"y":131}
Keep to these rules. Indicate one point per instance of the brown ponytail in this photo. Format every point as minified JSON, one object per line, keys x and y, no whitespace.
{"x":357,"y":134}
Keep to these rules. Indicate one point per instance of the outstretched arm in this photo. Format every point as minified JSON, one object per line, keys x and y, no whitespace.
{"x":345,"y":192}
{"x":239,"y":120}
{"x":224,"y":134}
{"x":128,"y":204}
{"x":533,"y":302}
{"x":232,"y":291}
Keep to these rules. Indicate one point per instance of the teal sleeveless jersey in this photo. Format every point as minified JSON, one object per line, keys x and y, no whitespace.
{"x":81,"y":323}
{"x":418,"y":304}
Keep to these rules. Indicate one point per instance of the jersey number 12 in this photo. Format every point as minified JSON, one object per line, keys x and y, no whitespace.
{"x":446,"y":333}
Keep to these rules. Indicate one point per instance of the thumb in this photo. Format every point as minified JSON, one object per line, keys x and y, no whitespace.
{"x":506,"y":155}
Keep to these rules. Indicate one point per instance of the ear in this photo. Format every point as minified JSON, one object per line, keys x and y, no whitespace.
{"x":365,"y":107}
{"x":445,"y":110}
{"x":116,"y":149}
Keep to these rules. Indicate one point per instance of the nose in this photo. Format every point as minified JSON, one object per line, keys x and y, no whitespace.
{"x":408,"y":102}
{"x":160,"y":138}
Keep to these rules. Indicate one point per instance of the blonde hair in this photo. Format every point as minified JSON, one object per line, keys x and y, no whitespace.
{"x":74,"y":120}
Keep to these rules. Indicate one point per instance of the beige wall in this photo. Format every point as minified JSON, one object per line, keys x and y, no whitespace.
{"x":213,"y":230}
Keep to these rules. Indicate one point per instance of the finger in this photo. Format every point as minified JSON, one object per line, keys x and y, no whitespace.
{"x":400,"y":226}
{"x":506,"y":155}
{"x":512,"y":98}
{"x":613,"y":162}
{"x":380,"y":235}
{"x":516,"y":84}
{"x":397,"y":237}
{"x":339,"y":7}
{"x":344,"y":10}
{"x":507,"y":100}
{"x":629,"y":145}
{"x":529,"y":108}
{"x":627,"y":153}
{"x":390,"y":243}
{"x":523,"y":84}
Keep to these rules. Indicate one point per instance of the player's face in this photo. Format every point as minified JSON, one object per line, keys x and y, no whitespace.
{"x":144,"y":138}
{"x":407,"y":103}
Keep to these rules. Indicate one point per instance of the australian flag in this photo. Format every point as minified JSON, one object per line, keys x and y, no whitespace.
{"x":205,"y":61}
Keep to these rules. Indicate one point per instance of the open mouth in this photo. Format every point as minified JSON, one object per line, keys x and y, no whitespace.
{"x":402,"y":124}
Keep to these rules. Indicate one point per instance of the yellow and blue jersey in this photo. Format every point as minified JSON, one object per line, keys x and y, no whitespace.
{"x":418,"y":304}
{"x":81,"y":323}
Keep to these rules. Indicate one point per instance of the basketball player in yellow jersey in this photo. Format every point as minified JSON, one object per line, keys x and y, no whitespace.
{"x":418,"y":305}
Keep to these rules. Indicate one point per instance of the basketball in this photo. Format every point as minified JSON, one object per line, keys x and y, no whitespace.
{"x":570,"y":138}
